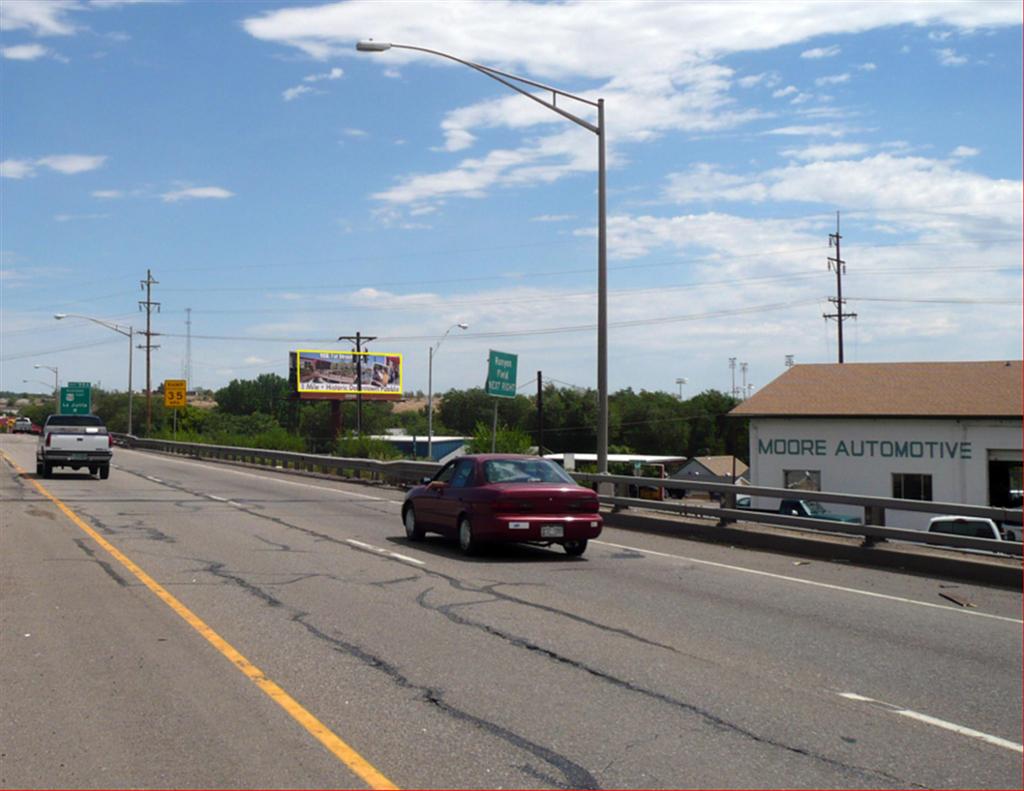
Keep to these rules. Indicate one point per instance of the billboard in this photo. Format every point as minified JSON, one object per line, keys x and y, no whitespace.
{"x":333,"y":374}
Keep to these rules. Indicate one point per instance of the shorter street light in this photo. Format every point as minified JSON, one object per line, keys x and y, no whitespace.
{"x":56,"y":382}
{"x":430,"y":387}
{"x":681,"y":381}
{"x":128,"y":332}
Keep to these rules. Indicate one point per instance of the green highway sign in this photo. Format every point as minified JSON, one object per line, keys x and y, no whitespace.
{"x":76,"y":398}
{"x":501,"y":374}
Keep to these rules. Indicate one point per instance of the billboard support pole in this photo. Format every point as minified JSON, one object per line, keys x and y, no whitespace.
{"x":494,"y":427}
{"x":358,"y":341}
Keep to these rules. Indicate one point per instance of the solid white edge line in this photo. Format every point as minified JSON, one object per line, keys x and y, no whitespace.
{"x":385,"y":552}
{"x":218,"y":499}
{"x":944,"y":724}
{"x":813,"y":583}
{"x":406,"y":557}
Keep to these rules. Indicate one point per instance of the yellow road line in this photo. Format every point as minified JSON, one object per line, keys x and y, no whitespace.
{"x":353,"y":760}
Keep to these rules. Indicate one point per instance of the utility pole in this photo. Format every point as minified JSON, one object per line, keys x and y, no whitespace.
{"x":149,"y":304}
{"x":540,"y":414}
{"x":358,"y":340}
{"x":732,"y":369}
{"x":789,"y":361}
{"x":743,"y":370}
{"x":839,"y":265}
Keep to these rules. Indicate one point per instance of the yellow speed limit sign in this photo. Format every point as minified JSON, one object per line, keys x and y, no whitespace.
{"x":174,"y":392}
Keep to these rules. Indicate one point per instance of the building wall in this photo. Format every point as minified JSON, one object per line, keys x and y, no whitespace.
{"x":860,"y":456}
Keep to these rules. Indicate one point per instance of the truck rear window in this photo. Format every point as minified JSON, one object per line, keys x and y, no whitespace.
{"x":74,"y":420}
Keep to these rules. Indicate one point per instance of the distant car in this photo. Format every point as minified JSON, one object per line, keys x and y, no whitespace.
{"x":971,"y":526}
{"x":497,"y":498}
{"x":743,"y":501}
{"x":813,"y":510}
{"x":22,"y":425}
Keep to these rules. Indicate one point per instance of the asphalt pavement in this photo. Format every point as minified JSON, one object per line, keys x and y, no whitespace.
{"x":200,"y":625}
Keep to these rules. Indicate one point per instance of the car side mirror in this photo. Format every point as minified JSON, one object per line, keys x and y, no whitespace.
{"x":436,"y":485}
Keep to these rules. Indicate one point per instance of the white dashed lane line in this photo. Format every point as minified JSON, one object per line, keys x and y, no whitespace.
{"x":1006,"y":744}
{"x":385,"y":552}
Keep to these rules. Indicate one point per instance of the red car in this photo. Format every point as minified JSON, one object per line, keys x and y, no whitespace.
{"x":503,"y":498}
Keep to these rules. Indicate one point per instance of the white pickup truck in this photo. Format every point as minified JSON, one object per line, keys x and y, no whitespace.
{"x":74,"y":441}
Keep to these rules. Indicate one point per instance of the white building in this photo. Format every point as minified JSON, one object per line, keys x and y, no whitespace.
{"x":948,"y":432}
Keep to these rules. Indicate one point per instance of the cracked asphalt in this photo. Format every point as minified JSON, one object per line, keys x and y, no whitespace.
{"x":651,"y":662}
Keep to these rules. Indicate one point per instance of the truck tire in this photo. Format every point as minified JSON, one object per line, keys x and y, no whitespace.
{"x":47,"y":469}
{"x":39,"y":468}
{"x":104,"y":471}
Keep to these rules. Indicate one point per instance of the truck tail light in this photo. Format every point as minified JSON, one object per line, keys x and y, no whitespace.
{"x":48,"y":439}
{"x":110,"y":441}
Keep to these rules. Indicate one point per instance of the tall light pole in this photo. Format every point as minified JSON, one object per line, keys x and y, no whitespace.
{"x":430,"y":387}
{"x":56,"y":384}
{"x":602,"y":242}
{"x":129,"y":332}
{"x":681,"y":381}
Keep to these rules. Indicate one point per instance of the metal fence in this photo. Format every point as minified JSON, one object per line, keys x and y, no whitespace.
{"x":404,"y":473}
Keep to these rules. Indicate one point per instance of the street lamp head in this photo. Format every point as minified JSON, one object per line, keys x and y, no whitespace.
{"x":462,"y":326}
{"x":37,"y":365}
{"x":369,"y":45}
{"x":59,"y":316}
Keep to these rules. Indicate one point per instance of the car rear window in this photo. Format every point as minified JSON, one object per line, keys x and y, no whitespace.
{"x":524,"y":471}
{"x":74,"y":420}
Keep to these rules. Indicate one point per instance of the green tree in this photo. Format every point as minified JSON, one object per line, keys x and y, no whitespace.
{"x":461,"y":410}
{"x":507,"y":440}
{"x":267,"y":393}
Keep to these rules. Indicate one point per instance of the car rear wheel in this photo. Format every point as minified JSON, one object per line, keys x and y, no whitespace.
{"x":576,"y":547}
{"x":39,"y":468}
{"x":467,"y":541}
{"x":104,"y":471}
{"x":47,"y":470}
{"x":413,"y":531}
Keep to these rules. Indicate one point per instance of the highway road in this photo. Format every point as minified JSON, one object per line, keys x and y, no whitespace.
{"x":200,"y":625}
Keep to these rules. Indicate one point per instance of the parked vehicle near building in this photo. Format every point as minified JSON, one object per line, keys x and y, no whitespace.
{"x":812,"y":509}
{"x":74,"y":441}
{"x":972,"y":526}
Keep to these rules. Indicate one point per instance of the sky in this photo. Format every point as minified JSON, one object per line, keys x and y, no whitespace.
{"x":285,"y":189}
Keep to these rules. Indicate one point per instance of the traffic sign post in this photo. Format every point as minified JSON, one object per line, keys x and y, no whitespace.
{"x":501,"y":383}
{"x":76,"y":398}
{"x":175,"y":391}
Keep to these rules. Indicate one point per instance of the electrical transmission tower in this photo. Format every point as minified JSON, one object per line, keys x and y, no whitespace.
{"x":148,"y":304}
{"x":839,"y":265}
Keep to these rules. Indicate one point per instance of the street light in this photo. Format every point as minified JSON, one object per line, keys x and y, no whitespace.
{"x":56,"y":383}
{"x":681,"y":381}
{"x":128,"y":332}
{"x":430,"y":387}
{"x":602,"y":245}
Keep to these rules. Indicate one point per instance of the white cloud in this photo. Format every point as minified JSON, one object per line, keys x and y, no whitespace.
{"x":333,"y":74}
{"x":833,"y":151}
{"x":833,"y":79}
{"x":40,"y":17}
{"x":821,"y":52}
{"x":939,"y":35}
{"x":107,"y":194}
{"x":828,"y":130}
{"x":68,"y":164}
{"x":71,"y":163}
{"x":24,"y":52}
{"x":801,"y":98}
{"x":352,"y":132}
{"x":787,"y":91}
{"x":867,"y":67}
{"x":552,"y":218}
{"x":73,"y":217}
{"x":964,"y":151}
{"x":16,"y":168}
{"x":769,"y":78}
{"x":948,"y":57}
{"x":659,"y":71}
{"x":216,"y":193}
{"x":296,"y":92}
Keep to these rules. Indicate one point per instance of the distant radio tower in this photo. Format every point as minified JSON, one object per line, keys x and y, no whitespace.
{"x":789,"y":361}
{"x":188,"y":347}
{"x":732,"y":368}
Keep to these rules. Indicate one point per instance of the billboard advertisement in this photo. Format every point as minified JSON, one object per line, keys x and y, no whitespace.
{"x":332,"y":373}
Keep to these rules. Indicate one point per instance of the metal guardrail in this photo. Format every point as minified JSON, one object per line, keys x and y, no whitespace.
{"x":406,"y":472}
{"x":872,"y":527}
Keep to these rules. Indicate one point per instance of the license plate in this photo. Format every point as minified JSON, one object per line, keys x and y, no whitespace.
{"x":78,"y":457}
{"x":551,"y":531}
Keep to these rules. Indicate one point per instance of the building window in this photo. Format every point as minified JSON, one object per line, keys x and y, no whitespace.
{"x":806,"y":480}
{"x":911,"y":486}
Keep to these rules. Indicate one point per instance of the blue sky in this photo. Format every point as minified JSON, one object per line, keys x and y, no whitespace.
{"x":289,"y":190}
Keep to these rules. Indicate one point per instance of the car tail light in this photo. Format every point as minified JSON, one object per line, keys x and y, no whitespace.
{"x":48,"y":439}
{"x":110,"y":441}
{"x":584,"y":506}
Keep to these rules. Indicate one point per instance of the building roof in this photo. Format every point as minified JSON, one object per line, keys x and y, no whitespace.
{"x":643,"y":458}
{"x":721,"y":466}
{"x":953,"y":389}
